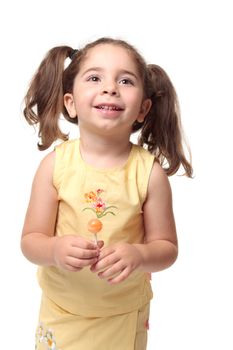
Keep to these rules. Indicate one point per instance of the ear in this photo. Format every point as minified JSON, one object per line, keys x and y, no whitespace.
{"x":145,"y":107}
{"x":70,"y":106}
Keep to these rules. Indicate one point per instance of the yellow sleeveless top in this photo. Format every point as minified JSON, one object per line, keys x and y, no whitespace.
{"x":116,"y":196}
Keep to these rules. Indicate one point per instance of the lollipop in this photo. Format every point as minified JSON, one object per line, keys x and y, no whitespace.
{"x":94,"y":226}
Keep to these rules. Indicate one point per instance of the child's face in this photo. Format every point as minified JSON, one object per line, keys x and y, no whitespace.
{"x":108,"y":92}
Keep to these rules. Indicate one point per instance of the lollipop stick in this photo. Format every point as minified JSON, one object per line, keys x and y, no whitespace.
{"x":95,"y":239}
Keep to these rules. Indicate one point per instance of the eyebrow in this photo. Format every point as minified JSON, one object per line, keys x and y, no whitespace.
{"x":99,"y":69}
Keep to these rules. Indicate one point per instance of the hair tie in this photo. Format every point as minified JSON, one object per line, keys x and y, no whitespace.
{"x":73,"y":53}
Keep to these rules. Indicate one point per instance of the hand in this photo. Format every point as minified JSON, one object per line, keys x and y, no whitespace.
{"x":72,"y":253}
{"x":117,"y":262}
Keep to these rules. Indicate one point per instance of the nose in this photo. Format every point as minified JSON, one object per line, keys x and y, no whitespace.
{"x":107,"y":91}
{"x":110,"y":88}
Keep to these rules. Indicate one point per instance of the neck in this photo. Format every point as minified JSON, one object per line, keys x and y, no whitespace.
{"x":104,"y":152}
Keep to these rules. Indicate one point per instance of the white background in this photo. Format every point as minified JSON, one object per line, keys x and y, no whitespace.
{"x":191,"y":40}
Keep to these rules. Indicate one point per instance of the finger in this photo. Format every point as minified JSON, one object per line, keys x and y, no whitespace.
{"x":83,"y":253}
{"x":105,"y":252}
{"x":112,"y":271}
{"x":82,"y":243}
{"x":80,"y":263}
{"x":105,"y":263}
{"x":120,"y":278}
{"x":100,"y":244}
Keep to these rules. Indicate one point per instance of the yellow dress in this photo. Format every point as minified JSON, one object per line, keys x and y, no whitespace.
{"x":79,"y":311}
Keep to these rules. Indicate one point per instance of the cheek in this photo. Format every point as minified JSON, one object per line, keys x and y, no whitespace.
{"x":135,"y":101}
{"x":83,"y":100}
{"x":87,"y":96}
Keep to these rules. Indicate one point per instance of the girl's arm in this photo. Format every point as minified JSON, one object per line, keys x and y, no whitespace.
{"x":38,"y":232}
{"x":39,"y":243}
{"x":160,"y":249}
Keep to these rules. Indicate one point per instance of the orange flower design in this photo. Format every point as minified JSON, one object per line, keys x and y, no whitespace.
{"x":90,"y":197}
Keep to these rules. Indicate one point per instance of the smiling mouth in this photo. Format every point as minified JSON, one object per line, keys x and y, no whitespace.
{"x":109,"y":108}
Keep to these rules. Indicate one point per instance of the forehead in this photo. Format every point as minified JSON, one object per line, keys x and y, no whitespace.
{"x":110,"y":56}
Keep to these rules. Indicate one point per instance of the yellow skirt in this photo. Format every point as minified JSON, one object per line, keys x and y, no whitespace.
{"x":61,"y":330}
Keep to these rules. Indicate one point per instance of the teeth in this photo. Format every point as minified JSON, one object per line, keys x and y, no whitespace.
{"x":109,"y":108}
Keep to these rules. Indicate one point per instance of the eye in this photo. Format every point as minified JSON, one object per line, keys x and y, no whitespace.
{"x":126,"y":81}
{"x":93,"y":78}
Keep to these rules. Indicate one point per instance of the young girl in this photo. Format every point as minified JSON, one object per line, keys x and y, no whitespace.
{"x":96,"y":294}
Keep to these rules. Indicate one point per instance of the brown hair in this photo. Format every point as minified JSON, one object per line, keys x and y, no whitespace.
{"x":161,"y":131}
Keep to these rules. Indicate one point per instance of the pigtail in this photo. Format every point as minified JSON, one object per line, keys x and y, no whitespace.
{"x":44,"y":99}
{"x":161,"y":131}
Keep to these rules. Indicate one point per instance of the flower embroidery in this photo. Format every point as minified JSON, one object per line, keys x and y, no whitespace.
{"x":45,"y":336}
{"x":97,"y":204}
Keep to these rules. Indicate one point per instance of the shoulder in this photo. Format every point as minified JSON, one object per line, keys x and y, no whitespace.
{"x":65,"y":152}
{"x":158,"y":174}
{"x":48,"y":160}
{"x":143,"y":159}
{"x":66,"y":147}
{"x":42,"y":185}
{"x":158,"y":182}
{"x":158,"y":178}
{"x":142,"y":152}
{"x":46,"y":167}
